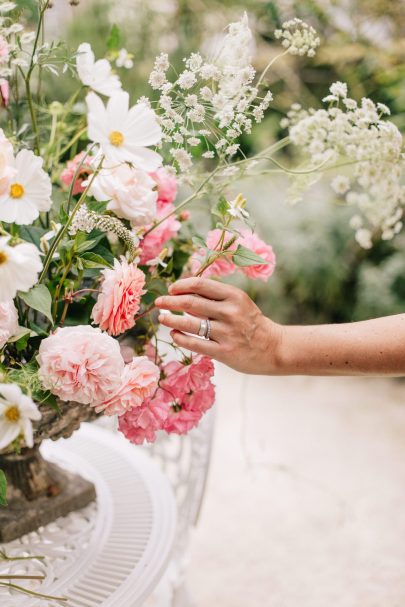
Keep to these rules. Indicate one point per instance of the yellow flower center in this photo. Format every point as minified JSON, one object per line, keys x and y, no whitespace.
{"x":16,"y":190}
{"x":12,"y":414}
{"x":3,"y":257}
{"x":116,"y":138}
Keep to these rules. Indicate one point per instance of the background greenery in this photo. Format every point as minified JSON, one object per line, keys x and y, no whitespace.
{"x":322,"y":274}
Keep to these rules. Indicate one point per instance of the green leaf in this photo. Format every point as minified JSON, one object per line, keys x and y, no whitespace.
{"x":114,"y":40}
{"x":22,"y":332}
{"x":199,"y":241}
{"x":85,"y":246}
{"x":3,"y":489}
{"x":244,"y":257}
{"x":38,"y":298}
{"x":32,"y":234}
{"x":92,"y":260}
{"x":221,"y":208}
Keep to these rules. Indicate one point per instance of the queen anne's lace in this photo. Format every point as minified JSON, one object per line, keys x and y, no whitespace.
{"x":356,"y":135}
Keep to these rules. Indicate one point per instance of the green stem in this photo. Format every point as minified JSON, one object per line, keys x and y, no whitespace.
{"x":268,"y":66}
{"x":65,"y":228}
{"x":32,"y":593}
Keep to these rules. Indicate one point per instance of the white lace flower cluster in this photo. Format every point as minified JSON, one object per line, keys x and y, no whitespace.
{"x":298,"y":37}
{"x":355,"y":136}
{"x":211,"y":103}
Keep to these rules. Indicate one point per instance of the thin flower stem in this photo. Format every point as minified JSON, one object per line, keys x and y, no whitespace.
{"x":65,"y":228}
{"x":187,"y":201}
{"x":268,"y":66}
{"x":22,"y":577}
{"x":38,"y":595}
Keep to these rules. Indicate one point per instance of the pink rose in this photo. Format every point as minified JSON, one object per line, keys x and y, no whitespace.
{"x":139,"y":381}
{"x":189,"y":391}
{"x":140,"y":424}
{"x":80,"y":364}
{"x":120,"y":297}
{"x":131,"y":193}
{"x":222,"y":266}
{"x":4,"y":50}
{"x":255,"y":244}
{"x":68,"y":173}
{"x":4,"y":92}
{"x":154,"y":242}
{"x":167,"y":186}
{"x":8,"y":321}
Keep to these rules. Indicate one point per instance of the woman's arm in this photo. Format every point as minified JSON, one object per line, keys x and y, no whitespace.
{"x":243,"y":338}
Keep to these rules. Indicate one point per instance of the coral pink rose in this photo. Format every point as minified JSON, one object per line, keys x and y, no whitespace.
{"x":154,"y":242}
{"x":167,"y":186}
{"x":8,"y":321}
{"x":255,"y":244}
{"x":68,"y":173}
{"x":120,"y":297}
{"x":139,"y":381}
{"x":80,"y":364}
{"x":222,"y":266}
{"x":185,"y":413}
{"x":140,"y":424}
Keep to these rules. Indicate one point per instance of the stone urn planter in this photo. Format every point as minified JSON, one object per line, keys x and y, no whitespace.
{"x":38,"y":491}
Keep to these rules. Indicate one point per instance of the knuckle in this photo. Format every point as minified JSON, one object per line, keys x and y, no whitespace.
{"x":189,"y":303}
{"x":196,"y":283}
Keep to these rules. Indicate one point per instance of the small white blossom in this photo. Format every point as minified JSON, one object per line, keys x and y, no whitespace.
{"x":162,"y":62}
{"x":124,"y":59}
{"x":186,"y":80}
{"x":157,"y":79}
{"x":182,"y":157}
{"x":27,"y":37}
{"x":191,"y":100}
{"x":209,"y":154}
{"x":339,"y":89}
{"x":340,"y":184}
{"x":298,"y":37}
{"x":194,"y":62}
{"x":363,"y":237}
{"x":193,"y":141}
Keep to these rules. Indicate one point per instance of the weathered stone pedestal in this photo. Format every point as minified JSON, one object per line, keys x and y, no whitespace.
{"x":39,"y":492}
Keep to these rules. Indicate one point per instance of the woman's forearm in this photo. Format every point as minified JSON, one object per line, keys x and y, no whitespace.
{"x":372,"y":347}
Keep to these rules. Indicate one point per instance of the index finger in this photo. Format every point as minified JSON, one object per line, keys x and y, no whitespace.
{"x":206,"y":287}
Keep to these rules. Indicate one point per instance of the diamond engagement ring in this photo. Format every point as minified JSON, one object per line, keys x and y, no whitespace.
{"x":205,"y":329}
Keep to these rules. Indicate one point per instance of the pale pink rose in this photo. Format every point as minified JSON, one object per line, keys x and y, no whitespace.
{"x":68,"y":173}
{"x":154,"y":242}
{"x":4,"y":50}
{"x":140,"y":424}
{"x":255,"y":244}
{"x":131,"y":193}
{"x":8,"y":321}
{"x":222,"y":266}
{"x":120,"y":297}
{"x":7,"y":170}
{"x":167,"y":186}
{"x":127,"y":353}
{"x":4,"y":92}
{"x":139,"y":381}
{"x":80,"y":364}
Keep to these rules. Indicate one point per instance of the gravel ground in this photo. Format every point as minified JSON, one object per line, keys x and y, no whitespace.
{"x":306,"y":495}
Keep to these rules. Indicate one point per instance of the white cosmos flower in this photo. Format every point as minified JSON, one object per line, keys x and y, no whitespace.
{"x":7,"y":171}
{"x":16,"y":414}
{"x":124,"y":133}
{"x":131,"y":192}
{"x":29,"y":191}
{"x":8,"y":321}
{"x":96,"y":74}
{"x":19,"y":268}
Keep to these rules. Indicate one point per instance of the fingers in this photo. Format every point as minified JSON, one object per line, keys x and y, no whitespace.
{"x":211,"y":289}
{"x":195,"y":344}
{"x":197,"y":306}
{"x":186,"y":324}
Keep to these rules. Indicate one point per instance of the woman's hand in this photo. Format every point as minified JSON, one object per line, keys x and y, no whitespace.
{"x":241,"y":336}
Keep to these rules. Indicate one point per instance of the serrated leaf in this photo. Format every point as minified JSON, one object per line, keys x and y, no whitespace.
{"x":38,"y":298}
{"x":3,"y":489}
{"x":244,"y":257}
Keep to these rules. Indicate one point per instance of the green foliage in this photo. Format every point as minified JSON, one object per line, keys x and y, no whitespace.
{"x":39,"y":298}
{"x":3,"y":489}
{"x":244,"y":257}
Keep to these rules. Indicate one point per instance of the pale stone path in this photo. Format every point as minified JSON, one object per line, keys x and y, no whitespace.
{"x":305,"y":504}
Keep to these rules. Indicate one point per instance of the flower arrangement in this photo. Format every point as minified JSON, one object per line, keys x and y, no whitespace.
{"x":95,"y":222}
